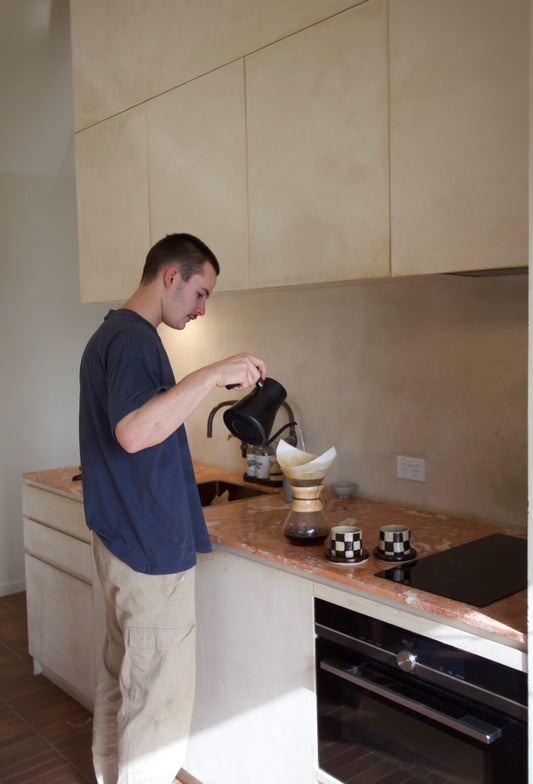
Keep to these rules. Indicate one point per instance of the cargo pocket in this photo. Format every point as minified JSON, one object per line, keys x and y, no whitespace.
{"x":152,"y":659}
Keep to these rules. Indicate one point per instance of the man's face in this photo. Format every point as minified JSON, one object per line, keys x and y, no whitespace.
{"x":187,"y":299}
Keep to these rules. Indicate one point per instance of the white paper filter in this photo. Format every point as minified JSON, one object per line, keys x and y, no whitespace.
{"x":296,"y":464}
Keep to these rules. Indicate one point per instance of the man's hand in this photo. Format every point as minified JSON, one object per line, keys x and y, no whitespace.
{"x":240,"y":371}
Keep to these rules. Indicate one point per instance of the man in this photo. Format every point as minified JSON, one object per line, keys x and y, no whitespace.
{"x":141,"y":502}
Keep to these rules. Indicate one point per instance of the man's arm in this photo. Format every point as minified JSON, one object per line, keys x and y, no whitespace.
{"x":157,"y":419}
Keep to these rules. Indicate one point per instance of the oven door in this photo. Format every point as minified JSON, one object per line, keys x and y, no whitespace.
{"x":377,"y":724}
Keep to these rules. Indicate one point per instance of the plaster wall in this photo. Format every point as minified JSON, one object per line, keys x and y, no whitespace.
{"x":432,"y":367}
{"x":44,"y":329}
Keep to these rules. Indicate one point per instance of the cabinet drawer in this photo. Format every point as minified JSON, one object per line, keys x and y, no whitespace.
{"x":58,"y":549}
{"x":65,"y":514}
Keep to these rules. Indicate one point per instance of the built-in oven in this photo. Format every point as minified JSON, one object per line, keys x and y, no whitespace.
{"x":395,"y":707}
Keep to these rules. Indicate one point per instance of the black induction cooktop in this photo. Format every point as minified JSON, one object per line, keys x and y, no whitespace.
{"x":477,"y":573}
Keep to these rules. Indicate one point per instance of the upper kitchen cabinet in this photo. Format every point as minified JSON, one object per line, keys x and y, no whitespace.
{"x":317,"y":124}
{"x":126,"y":52}
{"x":459,"y":135}
{"x":197,"y":167}
{"x":112,"y":194}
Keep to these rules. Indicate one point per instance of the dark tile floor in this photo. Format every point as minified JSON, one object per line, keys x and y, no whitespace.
{"x":45,"y":736}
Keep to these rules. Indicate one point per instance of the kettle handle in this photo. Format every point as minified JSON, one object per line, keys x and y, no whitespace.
{"x":257,"y":383}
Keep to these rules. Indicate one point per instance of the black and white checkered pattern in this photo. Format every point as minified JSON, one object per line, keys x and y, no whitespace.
{"x":346,"y":542}
{"x":394,"y":540}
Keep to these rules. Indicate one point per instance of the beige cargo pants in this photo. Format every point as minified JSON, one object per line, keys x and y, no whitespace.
{"x":145,"y":685}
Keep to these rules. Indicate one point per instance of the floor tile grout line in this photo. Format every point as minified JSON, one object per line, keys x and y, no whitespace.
{"x":10,"y":606}
{"x":73,"y":762}
{"x":63,"y":758}
{"x":49,"y":743}
{"x":18,"y":655}
{"x":22,"y":615}
{"x":28,"y":771}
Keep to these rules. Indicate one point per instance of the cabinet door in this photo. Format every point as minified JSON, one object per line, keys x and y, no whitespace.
{"x":112,"y":192}
{"x":126,"y":52}
{"x":255,"y":716}
{"x":60,"y":627}
{"x":317,"y":124}
{"x":459,"y":135}
{"x":197,"y":165}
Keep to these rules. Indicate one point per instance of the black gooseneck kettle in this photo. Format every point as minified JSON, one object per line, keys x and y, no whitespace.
{"x":252,"y":417}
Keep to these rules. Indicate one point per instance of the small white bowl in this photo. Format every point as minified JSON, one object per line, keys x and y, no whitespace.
{"x":344,"y":489}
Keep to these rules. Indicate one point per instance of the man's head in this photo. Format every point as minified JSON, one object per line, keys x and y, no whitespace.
{"x":179,"y":276}
{"x":185,"y":251}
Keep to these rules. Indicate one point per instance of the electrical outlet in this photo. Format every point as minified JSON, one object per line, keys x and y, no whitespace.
{"x":413,"y":468}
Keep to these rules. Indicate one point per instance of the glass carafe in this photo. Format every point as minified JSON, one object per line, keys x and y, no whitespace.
{"x":306,"y":523}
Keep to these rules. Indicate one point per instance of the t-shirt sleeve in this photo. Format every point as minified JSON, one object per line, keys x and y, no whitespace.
{"x":131,"y":385}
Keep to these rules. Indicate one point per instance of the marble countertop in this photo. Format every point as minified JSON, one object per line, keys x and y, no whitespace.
{"x":255,"y":528}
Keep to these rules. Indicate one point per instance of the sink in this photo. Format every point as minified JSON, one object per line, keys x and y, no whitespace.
{"x":217,"y":487}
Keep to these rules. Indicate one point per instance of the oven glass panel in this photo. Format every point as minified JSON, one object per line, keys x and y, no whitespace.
{"x":364,"y":737}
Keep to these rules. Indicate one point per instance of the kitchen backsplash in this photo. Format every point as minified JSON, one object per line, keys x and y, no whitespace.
{"x":430,"y":367}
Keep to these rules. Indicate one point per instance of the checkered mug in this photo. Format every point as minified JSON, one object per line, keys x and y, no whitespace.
{"x":346,"y":542}
{"x":394,"y":540}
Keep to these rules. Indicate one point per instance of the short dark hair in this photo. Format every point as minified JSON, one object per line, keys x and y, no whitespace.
{"x":186,"y":251}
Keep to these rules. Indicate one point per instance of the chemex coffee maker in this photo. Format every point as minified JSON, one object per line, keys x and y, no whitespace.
{"x":251,"y":419}
{"x":306,"y":523}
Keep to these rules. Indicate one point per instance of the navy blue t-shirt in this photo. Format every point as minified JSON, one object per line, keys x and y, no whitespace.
{"x":144,"y":506}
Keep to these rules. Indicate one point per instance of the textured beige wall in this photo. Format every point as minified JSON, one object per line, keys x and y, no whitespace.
{"x":44,"y":330}
{"x":432,"y":367}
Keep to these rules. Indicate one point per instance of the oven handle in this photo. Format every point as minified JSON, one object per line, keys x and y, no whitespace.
{"x":469,"y":725}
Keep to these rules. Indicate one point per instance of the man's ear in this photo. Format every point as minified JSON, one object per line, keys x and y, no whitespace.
{"x":170,"y":274}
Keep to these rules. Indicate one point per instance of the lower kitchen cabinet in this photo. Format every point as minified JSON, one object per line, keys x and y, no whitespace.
{"x":59,"y":592}
{"x":254,"y":715}
{"x":60,"y":625}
